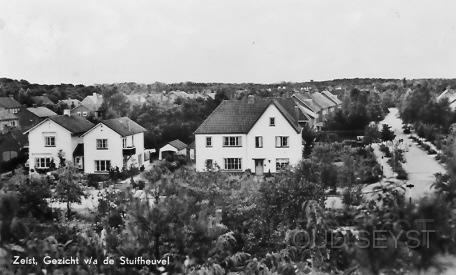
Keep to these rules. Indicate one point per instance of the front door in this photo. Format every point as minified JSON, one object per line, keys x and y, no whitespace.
{"x":79,"y":162}
{"x":259,"y":168}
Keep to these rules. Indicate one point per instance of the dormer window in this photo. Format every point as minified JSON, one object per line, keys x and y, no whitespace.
{"x":272,"y":121}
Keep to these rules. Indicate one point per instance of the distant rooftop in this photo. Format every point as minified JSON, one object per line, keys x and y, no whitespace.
{"x":9,"y":102}
{"x":6,"y":115}
{"x":42,"y":111}
{"x":124,"y":126}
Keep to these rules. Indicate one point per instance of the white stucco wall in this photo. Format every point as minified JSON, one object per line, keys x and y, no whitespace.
{"x":113,"y":153}
{"x":138,"y":142}
{"x":217,"y":152}
{"x":248,"y":152}
{"x":269,"y":151}
{"x":63,"y":141}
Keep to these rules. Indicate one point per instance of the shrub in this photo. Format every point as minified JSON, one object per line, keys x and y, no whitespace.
{"x":385,"y":149}
{"x":352,"y":196}
{"x":426,"y":146}
{"x":386,"y":134}
{"x":94,"y":179}
{"x":401,"y":173}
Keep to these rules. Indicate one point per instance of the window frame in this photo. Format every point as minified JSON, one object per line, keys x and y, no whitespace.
{"x":43,"y":160}
{"x":124,"y":142}
{"x":272,"y":121}
{"x":227,"y":141}
{"x":208,"y":142}
{"x":46,"y":141}
{"x":282,"y":163}
{"x":235,"y":165}
{"x":99,"y":163}
{"x":206,"y":164}
{"x":105,"y":147}
{"x":279,"y":142}
{"x":259,"y":142}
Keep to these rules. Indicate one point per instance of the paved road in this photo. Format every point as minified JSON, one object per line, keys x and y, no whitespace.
{"x":420,"y":166}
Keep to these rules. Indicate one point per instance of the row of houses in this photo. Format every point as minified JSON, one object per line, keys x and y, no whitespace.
{"x":52,"y":139}
{"x":93,"y":148}
{"x":259,"y":134}
{"x":15,"y":119}
{"x":14,"y":115}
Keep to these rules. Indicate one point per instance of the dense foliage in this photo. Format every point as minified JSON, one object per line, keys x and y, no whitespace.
{"x":358,"y":109}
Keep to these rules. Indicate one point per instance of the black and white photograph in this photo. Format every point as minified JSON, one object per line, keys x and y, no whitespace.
{"x":228,"y":137}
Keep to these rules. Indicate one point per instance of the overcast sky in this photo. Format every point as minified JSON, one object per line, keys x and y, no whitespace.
{"x":88,"y":41}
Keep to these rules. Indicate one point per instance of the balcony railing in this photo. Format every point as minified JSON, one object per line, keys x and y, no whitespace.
{"x":129,"y":151}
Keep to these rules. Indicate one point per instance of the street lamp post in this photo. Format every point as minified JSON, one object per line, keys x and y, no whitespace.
{"x":410,"y":186}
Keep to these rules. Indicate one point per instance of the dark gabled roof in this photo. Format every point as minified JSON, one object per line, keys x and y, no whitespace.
{"x":42,"y":99}
{"x":307,"y":101}
{"x":332,"y":97}
{"x":42,"y":112}
{"x":192,"y":145}
{"x":79,"y":150}
{"x":14,"y":136}
{"x":9,"y":102}
{"x":321,"y":100}
{"x":124,"y":126}
{"x":179,"y":145}
{"x":287,"y":108}
{"x":239,"y":116}
{"x":75,"y":124}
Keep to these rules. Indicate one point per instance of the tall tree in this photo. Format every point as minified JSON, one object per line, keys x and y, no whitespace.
{"x":69,"y":187}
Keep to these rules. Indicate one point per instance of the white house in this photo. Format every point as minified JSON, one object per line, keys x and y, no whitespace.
{"x":317,"y":106}
{"x":263,"y":135}
{"x":54,"y":138}
{"x":175,"y":147}
{"x":112,"y":143}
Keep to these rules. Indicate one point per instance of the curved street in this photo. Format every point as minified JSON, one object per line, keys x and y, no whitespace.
{"x":420,"y":166}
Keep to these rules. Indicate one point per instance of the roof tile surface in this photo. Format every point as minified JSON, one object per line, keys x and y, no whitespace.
{"x":239,"y":116}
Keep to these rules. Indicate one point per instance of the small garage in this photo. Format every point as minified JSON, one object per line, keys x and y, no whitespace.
{"x":172,"y":148}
